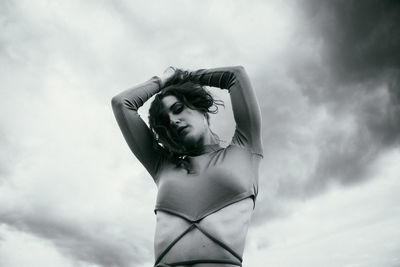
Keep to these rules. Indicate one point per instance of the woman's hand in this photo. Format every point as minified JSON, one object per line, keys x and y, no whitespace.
{"x":173,"y":75}
{"x":167,"y":76}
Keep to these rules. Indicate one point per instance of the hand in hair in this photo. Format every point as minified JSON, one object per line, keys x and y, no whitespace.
{"x":178,"y":76}
{"x":167,"y":76}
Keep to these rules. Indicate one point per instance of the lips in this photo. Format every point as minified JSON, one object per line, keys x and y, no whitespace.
{"x":181,"y":130}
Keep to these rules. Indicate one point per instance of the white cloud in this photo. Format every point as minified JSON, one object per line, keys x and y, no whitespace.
{"x":356,"y":226}
{"x":41,"y":253}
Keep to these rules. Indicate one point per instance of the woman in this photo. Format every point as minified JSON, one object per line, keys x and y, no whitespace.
{"x":206,"y":193}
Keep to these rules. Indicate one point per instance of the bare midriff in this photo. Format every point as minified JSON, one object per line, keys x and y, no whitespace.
{"x":229,"y":224}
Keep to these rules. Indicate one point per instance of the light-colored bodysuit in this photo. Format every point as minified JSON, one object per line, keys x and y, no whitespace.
{"x":218,"y":177}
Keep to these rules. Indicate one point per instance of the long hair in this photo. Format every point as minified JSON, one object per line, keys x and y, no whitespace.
{"x":190,"y":94}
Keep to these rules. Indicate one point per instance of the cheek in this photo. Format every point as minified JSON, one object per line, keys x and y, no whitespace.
{"x":200,"y":122}
{"x":196,"y":119}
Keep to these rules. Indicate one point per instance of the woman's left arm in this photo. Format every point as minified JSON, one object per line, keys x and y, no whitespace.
{"x":245,"y":107}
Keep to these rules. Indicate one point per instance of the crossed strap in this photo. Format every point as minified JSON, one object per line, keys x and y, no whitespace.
{"x":193,"y":225}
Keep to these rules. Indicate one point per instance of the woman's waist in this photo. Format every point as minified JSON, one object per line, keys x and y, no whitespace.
{"x":206,"y":264}
{"x":198,"y":247}
{"x":219,"y":236}
{"x":198,"y":242}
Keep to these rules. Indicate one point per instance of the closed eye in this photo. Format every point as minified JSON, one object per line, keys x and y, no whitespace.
{"x":177,"y":108}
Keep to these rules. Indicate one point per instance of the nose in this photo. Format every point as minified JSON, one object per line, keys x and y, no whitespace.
{"x":174,"y":121}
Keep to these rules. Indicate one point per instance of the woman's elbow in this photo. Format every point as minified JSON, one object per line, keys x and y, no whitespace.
{"x":239,"y":68}
{"x":120,"y":102}
{"x":239,"y":71}
{"x":117,"y":101}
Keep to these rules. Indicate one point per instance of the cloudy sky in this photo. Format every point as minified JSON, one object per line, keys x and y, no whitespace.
{"x":327,"y":75}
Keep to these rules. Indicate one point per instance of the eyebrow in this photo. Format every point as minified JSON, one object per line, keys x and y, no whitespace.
{"x":165,"y":110}
{"x":172,"y":106}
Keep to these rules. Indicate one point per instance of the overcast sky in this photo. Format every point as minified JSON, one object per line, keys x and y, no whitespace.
{"x":327,"y":75}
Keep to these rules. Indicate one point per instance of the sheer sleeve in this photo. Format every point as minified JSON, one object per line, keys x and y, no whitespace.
{"x":245,"y":107}
{"x":134,"y":129}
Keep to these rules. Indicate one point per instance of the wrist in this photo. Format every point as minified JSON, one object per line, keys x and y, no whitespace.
{"x":158,"y":81}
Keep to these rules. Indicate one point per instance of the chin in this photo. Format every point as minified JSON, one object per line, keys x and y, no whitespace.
{"x":190,"y":141}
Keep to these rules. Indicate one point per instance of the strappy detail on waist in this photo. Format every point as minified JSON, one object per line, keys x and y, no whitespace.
{"x":195,"y":225}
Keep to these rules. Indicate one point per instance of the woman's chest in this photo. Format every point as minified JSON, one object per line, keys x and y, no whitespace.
{"x":207,"y":186}
{"x":203,"y":181}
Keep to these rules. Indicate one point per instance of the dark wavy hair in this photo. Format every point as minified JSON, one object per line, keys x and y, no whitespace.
{"x":193,"y":96}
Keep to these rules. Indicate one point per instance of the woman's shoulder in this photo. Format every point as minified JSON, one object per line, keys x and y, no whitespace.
{"x":240,"y":148}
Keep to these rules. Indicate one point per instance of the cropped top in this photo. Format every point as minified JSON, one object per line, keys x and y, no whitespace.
{"x":218,"y":176}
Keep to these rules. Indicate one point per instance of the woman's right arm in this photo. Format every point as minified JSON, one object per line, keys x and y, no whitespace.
{"x":135,"y":131}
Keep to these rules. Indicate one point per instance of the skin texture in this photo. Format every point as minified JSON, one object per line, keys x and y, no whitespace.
{"x":229,"y":224}
{"x":189,"y":125}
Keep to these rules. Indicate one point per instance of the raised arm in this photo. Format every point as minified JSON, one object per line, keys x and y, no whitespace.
{"x":135,"y":131}
{"x":244,"y":102}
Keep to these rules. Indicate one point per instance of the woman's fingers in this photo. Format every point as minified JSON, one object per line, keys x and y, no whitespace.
{"x":169,"y":72}
{"x":167,"y":76}
{"x":174,"y":75}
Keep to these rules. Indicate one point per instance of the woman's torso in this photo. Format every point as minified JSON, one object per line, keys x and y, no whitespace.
{"x":229,"y":225}
{"x":203,"y":214}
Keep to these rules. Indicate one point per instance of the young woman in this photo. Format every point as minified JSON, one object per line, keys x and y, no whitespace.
{"x":206,"y":193}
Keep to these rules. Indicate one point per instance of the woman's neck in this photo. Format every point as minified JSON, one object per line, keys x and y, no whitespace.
{"x":208,"y":139}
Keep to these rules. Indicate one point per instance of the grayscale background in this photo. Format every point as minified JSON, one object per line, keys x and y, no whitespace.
{"x":327,"y":75}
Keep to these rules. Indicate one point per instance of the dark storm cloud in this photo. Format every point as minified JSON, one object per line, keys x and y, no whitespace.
{"x":77,"y":241}
{"x":360,"y":41}
{"x":361,"y":37}
{"x":358,"y":75}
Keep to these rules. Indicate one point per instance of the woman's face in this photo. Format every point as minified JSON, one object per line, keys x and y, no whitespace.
{"x":188,"y":125}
